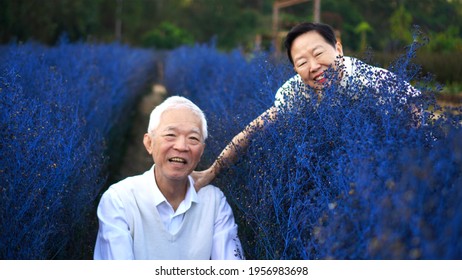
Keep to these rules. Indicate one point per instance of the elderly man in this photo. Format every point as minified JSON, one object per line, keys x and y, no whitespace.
{"x":159,"y":214}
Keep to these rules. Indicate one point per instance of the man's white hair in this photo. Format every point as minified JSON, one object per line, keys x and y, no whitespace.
{"x":174,"y":102}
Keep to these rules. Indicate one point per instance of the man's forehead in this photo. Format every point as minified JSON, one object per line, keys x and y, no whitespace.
{"x":182,"y":126}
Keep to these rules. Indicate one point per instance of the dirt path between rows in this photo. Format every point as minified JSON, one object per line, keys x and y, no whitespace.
{"x":136,"y":160}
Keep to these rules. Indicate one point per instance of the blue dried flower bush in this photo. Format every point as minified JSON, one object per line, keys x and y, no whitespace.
{"x":61,"y":108}
{"x":350,"y":176}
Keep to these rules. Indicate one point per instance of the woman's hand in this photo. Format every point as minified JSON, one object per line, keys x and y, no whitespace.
{"x":202,"y":178}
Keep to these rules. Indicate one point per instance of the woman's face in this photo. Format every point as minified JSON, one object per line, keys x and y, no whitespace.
{"x":312,"y":56}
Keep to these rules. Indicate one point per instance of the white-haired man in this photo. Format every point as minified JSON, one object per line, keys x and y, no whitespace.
{"x":159,"y":214}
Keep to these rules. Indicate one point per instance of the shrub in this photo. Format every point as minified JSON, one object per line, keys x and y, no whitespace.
{"x":61,"y":108}
{"x":446,"y":67}
{"x":340,"y":179}
{"x":167,"y":36}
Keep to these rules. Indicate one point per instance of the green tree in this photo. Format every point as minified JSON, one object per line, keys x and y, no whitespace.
{"x":46,"y":21}
{"x":363,"y":28}
{"x":448,"y":41}
{"x":167,"y":36}
{"x":400,"y":26}
{"x":232,"y":23}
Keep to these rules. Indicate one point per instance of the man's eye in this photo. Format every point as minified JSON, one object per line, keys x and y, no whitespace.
{"x":194,"y":139}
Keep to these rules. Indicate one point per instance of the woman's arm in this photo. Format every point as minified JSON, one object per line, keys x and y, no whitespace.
{"x":230,"y":153}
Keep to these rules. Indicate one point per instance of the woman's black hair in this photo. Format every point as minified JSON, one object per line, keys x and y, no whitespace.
{"x":324,"y":30}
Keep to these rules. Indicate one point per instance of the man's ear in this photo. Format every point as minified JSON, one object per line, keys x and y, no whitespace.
{"x":147,"y":141}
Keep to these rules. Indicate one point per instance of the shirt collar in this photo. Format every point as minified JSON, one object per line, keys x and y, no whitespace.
{"x":190,"y":197}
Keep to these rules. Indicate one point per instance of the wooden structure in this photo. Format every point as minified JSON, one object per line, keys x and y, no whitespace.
{"x":280,"y":4}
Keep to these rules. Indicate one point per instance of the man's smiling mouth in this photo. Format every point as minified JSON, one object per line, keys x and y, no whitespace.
{"x":177,"y":160}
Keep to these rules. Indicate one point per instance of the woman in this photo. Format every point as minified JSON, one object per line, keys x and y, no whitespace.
{"x":317,"y":58}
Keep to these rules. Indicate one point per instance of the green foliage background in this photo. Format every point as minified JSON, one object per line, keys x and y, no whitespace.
{"x":385,"y":27}
{"x":233,"y":23}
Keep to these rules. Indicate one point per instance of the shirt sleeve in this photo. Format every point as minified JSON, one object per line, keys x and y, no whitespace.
{"x":114,"y":241}
{"x":288,"y":90}
{"x":226,"y":243}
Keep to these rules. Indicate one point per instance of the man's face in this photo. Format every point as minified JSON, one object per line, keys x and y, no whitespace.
{"x":177,"y":145}
{"x":312,"y":56}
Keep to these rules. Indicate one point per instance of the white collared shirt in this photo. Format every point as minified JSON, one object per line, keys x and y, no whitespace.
{"x":172,"y":219}
{"x":115,"y":238}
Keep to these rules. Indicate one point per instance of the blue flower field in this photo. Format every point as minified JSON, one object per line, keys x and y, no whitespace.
{"x":350,"y":176}
{"x":347,"y":177}
{"x":63,"y":110}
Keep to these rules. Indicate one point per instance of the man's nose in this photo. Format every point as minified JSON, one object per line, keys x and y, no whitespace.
{"x":181,"y":144}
